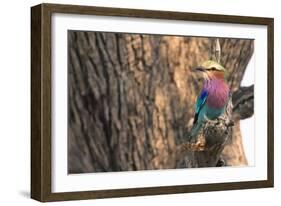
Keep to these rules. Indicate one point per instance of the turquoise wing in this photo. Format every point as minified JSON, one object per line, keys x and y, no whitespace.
{"x":201,"y":99}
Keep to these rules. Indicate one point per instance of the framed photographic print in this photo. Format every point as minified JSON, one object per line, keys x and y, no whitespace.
{"x":130,"y":102}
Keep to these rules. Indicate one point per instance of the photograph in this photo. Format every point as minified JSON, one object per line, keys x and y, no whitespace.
{"x":152,"y":101}
{"x":133,"y":102}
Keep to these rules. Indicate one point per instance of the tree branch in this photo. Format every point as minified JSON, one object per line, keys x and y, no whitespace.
{"x":206,"y":149}
{"x":243,"y":103}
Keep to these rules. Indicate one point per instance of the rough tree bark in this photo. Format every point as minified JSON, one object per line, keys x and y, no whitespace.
{"x":131,"y":98}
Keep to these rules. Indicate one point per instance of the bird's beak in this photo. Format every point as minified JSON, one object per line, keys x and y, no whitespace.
{"x":200,"y":69}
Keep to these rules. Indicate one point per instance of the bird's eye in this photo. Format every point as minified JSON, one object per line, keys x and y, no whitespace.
{"x":212,"y":69}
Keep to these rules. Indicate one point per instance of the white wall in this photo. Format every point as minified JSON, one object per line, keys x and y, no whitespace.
{"x":247,"y":126}
{"x":15,"y":101}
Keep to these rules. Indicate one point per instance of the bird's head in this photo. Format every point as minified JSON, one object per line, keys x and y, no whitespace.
{"x":211,"y":70}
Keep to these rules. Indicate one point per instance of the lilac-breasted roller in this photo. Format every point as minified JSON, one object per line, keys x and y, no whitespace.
{"x":214,"y":96}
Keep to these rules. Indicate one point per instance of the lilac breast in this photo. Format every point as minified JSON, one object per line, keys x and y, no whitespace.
{"x":218,"y":93}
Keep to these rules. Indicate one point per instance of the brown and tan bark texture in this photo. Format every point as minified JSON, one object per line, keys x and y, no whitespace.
{"x":131,"y":102}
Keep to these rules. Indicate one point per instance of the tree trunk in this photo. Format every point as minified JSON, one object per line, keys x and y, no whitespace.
{"x":131,"y":98}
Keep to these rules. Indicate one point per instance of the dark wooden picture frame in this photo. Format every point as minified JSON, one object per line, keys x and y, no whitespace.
{"x":41,"y":101}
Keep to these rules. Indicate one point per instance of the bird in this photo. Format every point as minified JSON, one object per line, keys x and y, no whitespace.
{"x":214,"y":95}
